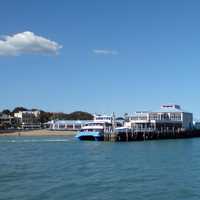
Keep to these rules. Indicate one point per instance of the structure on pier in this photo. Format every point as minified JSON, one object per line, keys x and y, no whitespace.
{"x":167,"y":118}
{"x":170,"y":121}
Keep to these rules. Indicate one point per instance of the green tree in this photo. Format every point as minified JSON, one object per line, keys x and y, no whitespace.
{"x":6,"y":111}
{"x":79,"y":115}
{"x":45,"y":116}
{"x":18,"y":109}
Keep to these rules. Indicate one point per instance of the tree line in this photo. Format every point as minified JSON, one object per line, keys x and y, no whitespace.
{"x":48,"y":116}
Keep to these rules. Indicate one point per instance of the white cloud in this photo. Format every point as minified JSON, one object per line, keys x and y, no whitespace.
{"x":27,"y":43}
{"x":105,"y":52}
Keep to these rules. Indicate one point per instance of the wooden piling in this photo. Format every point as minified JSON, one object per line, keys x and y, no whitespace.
{"x":150,"y":135}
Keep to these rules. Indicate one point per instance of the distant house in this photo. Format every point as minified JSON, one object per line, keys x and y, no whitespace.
{"x":167,"y":118}
{"x":28,"y":119}
{"x":6,"y":120}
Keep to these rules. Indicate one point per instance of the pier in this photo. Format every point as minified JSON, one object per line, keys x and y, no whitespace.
{"x":169,"y":122}
{"x":128,"y":136}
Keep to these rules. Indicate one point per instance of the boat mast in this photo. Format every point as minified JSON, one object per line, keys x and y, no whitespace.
{"x":113,"y":122}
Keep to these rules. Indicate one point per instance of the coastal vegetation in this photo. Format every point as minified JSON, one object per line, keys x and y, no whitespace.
{"x":78,"y":115}
{"x":48,"y":116}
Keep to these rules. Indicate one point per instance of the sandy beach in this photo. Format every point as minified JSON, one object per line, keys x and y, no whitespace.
{"x":42,"y":132}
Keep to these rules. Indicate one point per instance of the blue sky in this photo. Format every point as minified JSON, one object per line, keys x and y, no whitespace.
{"x":117,"y":56}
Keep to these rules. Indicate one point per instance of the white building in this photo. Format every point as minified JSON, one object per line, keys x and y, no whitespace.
{"x":168,"y":117}
{"x":28,"y":119}
{"x":73,"y":125}
{"x":68,"y":125}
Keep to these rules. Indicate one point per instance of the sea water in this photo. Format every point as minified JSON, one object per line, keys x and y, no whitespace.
{"x":62,"y":168}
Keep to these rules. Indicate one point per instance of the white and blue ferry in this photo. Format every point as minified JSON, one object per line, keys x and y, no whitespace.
{"x":95,"y":130}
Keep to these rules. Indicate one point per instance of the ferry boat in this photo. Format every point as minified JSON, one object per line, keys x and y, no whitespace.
{"x":95,"y":130}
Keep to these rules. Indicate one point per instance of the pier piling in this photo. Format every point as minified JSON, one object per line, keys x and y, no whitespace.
{"x":149,"y":135}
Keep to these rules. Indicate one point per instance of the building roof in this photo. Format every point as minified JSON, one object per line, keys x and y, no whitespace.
{"x":170,"y":108}
{"x":140,"y":113}
{"x":69,"y":122}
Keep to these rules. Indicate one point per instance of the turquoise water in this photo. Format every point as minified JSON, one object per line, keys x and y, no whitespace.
{"x":61,"y":168}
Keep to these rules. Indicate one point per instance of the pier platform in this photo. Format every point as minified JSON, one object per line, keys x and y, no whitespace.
{"x":151,"y":135}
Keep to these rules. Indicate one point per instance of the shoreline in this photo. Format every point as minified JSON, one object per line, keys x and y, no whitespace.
{"x":41,"y":132}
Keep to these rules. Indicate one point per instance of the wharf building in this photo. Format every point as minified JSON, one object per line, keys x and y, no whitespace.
{"x":65,"y":125}
{"x":169,"y":118}
{"x":76,"y":125}
{"x":28,"y":119}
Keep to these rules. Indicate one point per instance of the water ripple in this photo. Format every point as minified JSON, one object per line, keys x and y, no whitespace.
{"x":62,"y":168}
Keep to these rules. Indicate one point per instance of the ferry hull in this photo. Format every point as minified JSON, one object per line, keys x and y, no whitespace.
{"x":92,"y":136}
